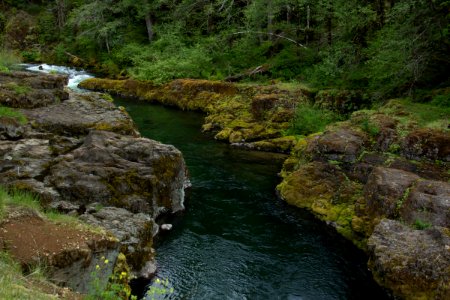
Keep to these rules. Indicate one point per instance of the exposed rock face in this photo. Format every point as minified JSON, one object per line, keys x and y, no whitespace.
{"x":135,"y":233}
{"x":385,"y":191}
{"x":28,"y":90}
{"x":135,"y":173}
{"x":80,"y":114}
{"x":343,"y":144}
{"x":83,"y":153}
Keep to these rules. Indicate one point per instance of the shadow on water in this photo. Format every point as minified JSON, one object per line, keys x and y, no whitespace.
{"x":236,"y":239}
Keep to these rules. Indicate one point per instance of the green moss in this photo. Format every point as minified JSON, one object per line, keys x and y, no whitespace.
{"x":228,"y":107}
{"x":329,"y":195}
{"x":107,"y":97}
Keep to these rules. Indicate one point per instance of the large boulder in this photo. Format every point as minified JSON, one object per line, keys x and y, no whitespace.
{"x":138,"y":174}
{"x":415,"y":264}
{"x":343,"y":144}
{"x":428,"y":203}
{"x":135,"y":232}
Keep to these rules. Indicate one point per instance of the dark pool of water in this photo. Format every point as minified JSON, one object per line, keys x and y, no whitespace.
{"x":236,"y":240}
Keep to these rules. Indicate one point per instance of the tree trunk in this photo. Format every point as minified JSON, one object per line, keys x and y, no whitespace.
{"x":270,"y":17}
{"x":380,"y":12}
{"x":61,"y":13}
{"x":329,"y":27}
{"x":149,"y":24}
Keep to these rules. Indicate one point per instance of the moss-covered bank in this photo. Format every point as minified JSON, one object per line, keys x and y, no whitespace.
{"x":251,"y":116}
{"x":381,"y":166}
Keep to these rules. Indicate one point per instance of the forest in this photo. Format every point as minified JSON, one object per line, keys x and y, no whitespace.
{"x":386,"y":48}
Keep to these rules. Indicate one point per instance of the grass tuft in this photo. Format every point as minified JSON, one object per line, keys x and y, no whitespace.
{"x":9,"y":112}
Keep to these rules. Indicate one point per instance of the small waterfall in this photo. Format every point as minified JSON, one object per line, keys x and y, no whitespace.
{"x":75,"y":76}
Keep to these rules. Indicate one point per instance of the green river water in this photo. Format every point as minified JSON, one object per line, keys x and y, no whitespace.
{"x":236,"y":240}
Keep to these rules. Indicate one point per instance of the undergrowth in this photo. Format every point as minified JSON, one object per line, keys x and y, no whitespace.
{"x":309,"y":119}
{"x":14,"y":285}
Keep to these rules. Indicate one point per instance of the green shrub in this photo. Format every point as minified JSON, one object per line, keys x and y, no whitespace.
{"x":369,"y":127}
{"x":113,"y":287}
{"x":8,"y":59}
{"x":31,"y":55}
{"x":309,"y":119}
{"x":441,"y":100}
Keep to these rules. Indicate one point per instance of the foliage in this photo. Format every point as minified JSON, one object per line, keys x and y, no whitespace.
{"x":8,"y":59}
{"x":421,"y":114}
{"x":441,"y":100}
{"x":10,"y":112}
{"x":309,"y":119}
{"x":115,"y":289}
{"x":369,"y":127}
{"x":159,"y":290}
{"x":387,"y":48}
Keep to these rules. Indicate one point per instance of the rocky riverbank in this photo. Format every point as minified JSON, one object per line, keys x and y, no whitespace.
{"x":83,"y":156}
{"x":380,"y":178}
{"x":248,"y":116}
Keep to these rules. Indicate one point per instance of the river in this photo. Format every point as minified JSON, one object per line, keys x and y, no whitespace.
{"x":236,"y":240}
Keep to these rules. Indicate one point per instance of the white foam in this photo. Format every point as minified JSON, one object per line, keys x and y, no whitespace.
{"x":75,"y":76}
